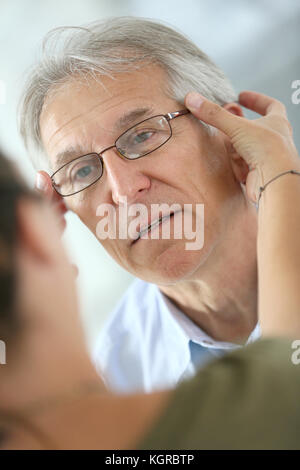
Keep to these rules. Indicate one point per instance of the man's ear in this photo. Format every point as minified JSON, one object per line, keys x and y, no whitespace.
{"x":33,"y":224}
{"x":238,"y":164}
{"x":234,"y":108}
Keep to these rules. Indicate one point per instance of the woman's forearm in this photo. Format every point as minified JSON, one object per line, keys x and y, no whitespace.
{"x":278,"y":249}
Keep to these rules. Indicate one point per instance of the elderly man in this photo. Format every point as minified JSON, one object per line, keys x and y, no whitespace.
{"x":101,"y":105}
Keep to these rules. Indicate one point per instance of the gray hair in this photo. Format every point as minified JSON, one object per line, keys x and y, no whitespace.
{"x":111,"y":46}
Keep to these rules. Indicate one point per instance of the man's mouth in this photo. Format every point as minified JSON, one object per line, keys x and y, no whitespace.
{"x":151,"y":226}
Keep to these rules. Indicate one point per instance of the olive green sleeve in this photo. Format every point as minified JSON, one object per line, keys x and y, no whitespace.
{"x":248,"y":399}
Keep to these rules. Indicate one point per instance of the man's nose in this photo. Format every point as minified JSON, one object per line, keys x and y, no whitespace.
{"x":124,"y":177}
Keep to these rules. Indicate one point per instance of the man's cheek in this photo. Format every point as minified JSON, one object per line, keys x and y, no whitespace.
{"x":84,"y":208}
{"x":86,"y":215}
{"x":74,"y":203}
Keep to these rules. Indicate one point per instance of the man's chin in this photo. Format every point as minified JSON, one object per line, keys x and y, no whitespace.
{"x":171,"y":263}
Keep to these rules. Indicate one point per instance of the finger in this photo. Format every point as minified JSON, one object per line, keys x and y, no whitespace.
{"x":75,"y":270}
{"x":43,"y":184}
{"x":62,"y":224}
{"x":60,"y":206}
{"x":213,"y":114}
{"x":61,"y":221}
{"x":261,"y":104}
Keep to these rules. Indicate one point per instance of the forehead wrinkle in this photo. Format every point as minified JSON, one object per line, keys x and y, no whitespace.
{"x":90,"y":111}
{"x":125,"y":120}
{"x":76,"y":117}
{"x":130,"y":117}
{"x":92,"y":108}
{"x":132,"y":86}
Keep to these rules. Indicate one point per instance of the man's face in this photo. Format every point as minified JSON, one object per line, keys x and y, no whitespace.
{"x":193,"y":167}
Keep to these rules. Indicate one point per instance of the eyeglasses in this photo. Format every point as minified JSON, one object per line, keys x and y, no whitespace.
{"x":138,"y":141}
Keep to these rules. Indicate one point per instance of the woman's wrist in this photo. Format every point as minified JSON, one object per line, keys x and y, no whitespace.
{"x":279,"y":167}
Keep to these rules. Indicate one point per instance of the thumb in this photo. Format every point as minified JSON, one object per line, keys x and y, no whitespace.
{"x":213,"y":114}
{"x":43,"y":183}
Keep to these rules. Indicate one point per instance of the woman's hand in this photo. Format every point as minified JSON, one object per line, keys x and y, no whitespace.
{"x":44,"y":186}
{"x":266,"y":144}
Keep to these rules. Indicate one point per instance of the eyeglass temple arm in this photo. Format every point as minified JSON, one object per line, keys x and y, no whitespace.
{"x":176,"y":114}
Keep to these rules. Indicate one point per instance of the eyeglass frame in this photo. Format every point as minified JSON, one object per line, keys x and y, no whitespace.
{"x":169,"y":117}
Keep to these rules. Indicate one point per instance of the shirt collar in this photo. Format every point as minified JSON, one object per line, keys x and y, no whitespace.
{"x":194,"y":333}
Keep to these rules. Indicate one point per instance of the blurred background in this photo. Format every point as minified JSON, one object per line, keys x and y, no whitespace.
{"x":256,"y":43}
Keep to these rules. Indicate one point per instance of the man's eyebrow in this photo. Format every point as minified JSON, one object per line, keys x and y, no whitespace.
{"x":132,"y":117}
{"x":67,"y":155}
{"x":126,"y":120}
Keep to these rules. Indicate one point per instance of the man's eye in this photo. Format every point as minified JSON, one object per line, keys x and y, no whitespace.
{"x":82,"y":172}
{"x":142,"y":137}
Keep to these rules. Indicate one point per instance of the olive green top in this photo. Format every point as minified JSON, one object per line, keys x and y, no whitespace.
{"x":248,"y":399}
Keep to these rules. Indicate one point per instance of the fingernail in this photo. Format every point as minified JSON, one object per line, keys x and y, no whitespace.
{"x":40,"y":182}
{"x":194,"y":100}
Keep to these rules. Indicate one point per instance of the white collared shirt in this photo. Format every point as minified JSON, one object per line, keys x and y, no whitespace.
{"x":145,"y":344}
